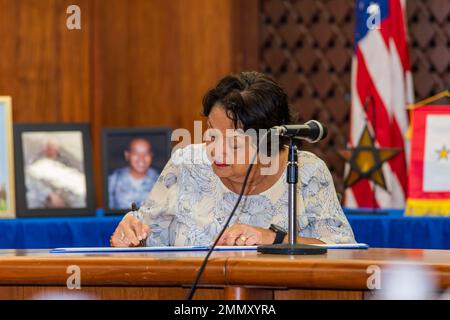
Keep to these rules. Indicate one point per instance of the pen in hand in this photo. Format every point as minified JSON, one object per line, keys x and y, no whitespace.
{"x":134,"y":208}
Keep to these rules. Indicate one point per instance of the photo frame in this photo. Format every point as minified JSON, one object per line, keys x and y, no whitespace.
{"x":53,"y":170}
{"x":133,"y":158}
{"x":7,"y":189}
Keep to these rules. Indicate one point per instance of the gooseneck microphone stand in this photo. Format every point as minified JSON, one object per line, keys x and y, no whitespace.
{"x":292,"y":247}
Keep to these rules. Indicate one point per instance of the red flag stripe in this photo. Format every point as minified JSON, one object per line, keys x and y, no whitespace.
{"x":387,"y":131}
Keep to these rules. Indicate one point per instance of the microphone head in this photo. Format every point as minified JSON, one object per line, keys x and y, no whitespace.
{"x":318,"y":131}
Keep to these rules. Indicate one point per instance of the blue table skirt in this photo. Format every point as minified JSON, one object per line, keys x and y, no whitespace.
{"x":377,"y":231}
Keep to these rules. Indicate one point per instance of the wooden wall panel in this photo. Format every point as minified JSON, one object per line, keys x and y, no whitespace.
{"x":44,"y":66}
{"x":134,"y":63}
{"x":28,"y":73}
{"x":158,"y":58}
{"x":74,"y":64}
{"x":205,"y":50}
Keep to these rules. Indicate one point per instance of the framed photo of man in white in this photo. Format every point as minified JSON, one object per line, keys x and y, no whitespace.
{"x":53,"y":170}
{"x":7,"y":200}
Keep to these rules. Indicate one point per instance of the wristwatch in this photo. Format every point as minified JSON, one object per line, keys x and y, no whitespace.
{"x":280,"y":233}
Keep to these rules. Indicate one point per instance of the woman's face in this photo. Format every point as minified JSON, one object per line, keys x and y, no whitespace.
{"x":229,"y":150}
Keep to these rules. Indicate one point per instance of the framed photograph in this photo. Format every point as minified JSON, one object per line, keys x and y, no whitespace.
{"x":7,"y":200}
{"x":53,"y":170}
{"x":132,"y":162}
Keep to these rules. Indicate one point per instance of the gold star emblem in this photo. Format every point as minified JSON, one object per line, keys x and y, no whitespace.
{"x":443,"y":153}
{"x":366,"y":160}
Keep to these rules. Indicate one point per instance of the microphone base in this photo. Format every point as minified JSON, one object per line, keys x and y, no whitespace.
{"x":288,"y":249}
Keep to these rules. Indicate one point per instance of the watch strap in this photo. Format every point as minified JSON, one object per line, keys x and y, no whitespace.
{"x":279,"y":233}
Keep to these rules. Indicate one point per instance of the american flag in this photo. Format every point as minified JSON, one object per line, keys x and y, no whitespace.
{"x":381,"y":87}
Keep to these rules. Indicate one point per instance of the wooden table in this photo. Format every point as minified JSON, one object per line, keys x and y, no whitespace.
{"x":339,"y":274}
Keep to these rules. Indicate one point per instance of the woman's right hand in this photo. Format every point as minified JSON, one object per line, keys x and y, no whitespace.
{"x":129,"y":232}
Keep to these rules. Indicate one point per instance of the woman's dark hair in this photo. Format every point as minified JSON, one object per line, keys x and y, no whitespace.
{"x":252,"y":100}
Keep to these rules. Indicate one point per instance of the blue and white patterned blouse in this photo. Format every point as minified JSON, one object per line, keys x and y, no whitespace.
{"x":189,"y":204}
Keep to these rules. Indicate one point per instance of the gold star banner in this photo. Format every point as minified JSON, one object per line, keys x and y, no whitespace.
{"x":429,"y":171}
{"x":366,"y":160}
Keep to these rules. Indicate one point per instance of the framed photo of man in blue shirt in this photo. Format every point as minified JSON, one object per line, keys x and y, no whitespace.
{"x":132,"y":161}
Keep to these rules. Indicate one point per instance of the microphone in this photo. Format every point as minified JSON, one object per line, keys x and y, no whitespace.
{"x":312,"y":131}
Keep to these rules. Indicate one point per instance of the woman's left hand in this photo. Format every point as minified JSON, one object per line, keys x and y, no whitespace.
{"x":246,"y":235}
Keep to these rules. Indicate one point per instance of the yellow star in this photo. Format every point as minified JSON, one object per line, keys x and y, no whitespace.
{"x":366,"y":160}
{"x":443,"y":153}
